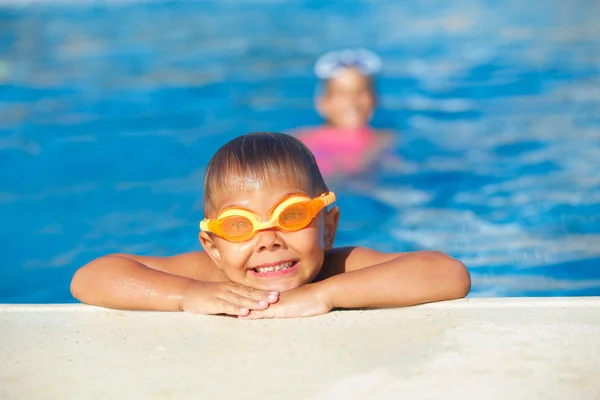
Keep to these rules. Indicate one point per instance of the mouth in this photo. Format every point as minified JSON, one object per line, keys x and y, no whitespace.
{"x":276,"y":269}
{"x":351,"y":115}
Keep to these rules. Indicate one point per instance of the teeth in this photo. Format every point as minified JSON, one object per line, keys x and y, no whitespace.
{"x":278,"y":267}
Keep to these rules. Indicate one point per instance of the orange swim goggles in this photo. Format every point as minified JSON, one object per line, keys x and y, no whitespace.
{"x":291,"y":214}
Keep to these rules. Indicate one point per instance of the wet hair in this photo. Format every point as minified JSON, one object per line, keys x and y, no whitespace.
{"x":259,"y":159}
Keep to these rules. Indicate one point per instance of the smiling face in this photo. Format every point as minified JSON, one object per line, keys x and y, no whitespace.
{"x":273,"y":259}
{"x":255,"y":172}
{"x":348,"y":101}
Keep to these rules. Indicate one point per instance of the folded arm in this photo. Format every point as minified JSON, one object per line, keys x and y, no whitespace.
{"x":375,"y":279}
{"x":136,"y":282}
{"x":186,"y":282}
{"x":364,"y":278}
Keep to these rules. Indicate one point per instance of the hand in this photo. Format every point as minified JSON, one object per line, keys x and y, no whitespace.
{"x":305,"y":301}
{"x":225,"y":298}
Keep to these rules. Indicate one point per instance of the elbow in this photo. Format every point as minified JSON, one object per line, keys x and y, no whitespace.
{"x":79,"y":282}
{"x":87,"y":279}
{"x":454,"y":277}
{"x":459,"y":279}
{"x":76,"y":285}
{"x":462,"y":280}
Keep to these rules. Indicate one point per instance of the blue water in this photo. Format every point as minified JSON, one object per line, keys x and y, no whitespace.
{"x":110,"y":111}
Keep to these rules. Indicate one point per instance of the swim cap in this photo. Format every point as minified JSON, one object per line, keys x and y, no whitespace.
{"x":330,"y":63}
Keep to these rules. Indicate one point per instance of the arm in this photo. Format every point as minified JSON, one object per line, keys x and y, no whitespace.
{"x":363,"y":278}
{"x":385,"y":141}
{"x":188,"y":282}
{"x":375,"y":279}
{"x":300,"y":132}
{"x":137,"y":283}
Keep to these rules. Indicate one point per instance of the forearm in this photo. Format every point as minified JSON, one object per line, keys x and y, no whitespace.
{"x":123,"y":283}
{"x":412,"y":278}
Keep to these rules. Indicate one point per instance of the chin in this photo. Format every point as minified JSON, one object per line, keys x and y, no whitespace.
{"x":280,"y":286}
{"x":285,"y":286}
{"x":354,"y":125}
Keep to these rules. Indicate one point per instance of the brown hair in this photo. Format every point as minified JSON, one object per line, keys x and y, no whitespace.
{"x":260,"y":158}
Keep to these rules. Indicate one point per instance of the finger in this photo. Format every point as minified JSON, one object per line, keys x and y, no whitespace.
{"x":255,"y":294}
{"x":258,"y":314}
{"x":240,"y":301}
{"x":273,"y":297}
{"x":232,"y":309}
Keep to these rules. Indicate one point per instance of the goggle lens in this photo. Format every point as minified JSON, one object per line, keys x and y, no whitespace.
{"x":237,"y":227}
{"x":291,"y":214}
{"x":295,"y":217}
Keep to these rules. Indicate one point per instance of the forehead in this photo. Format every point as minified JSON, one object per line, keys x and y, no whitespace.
{"x":260,"y":199}
{"x":239,"y":188}
{"x":349,"y":78}
{"x":248,"y":181}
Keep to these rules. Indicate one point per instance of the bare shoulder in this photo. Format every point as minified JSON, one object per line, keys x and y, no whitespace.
{"x":386,"y":132}
{"x":346,"y":259}
{"x":387,"y":136}
{"x":195,"y":264}
{"x":302,"y":132}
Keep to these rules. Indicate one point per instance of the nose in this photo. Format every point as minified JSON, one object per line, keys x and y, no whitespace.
{"x":268,"y":240}
{"x":353,"y":99}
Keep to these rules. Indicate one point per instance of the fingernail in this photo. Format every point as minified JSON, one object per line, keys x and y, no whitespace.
{"x":274,"y":294}
{"x":263,"y":303}
{"x":244,"y":311}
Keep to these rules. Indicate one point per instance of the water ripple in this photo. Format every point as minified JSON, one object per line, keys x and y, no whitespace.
{"x":109,"y":112}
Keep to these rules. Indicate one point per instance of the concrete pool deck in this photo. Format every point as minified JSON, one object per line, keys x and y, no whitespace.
{"x":511,"y":348}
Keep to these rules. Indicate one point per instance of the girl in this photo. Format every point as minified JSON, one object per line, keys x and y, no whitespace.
{"x":346,"y":144}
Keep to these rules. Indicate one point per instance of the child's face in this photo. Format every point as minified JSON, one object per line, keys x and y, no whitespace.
{"x":301,"y":251}
{"x":348,"y":101}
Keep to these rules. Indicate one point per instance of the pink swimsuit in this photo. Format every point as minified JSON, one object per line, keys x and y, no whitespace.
{"x":339,"y":150}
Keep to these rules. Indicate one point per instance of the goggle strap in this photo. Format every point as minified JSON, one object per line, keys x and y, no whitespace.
{"x":328,"y":198}
{"x":210,"y":225}
{"x":204,"y":225}
{"x":321,"y":202}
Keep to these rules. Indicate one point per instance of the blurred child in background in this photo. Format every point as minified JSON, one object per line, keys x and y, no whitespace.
{"x":346,"y":144}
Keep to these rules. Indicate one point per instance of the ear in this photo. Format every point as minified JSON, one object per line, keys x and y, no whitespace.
{"x":332,"y":217}
{"x":208,"y":243}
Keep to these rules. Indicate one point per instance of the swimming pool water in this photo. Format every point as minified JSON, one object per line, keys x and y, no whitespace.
{"x":109,"y":112}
